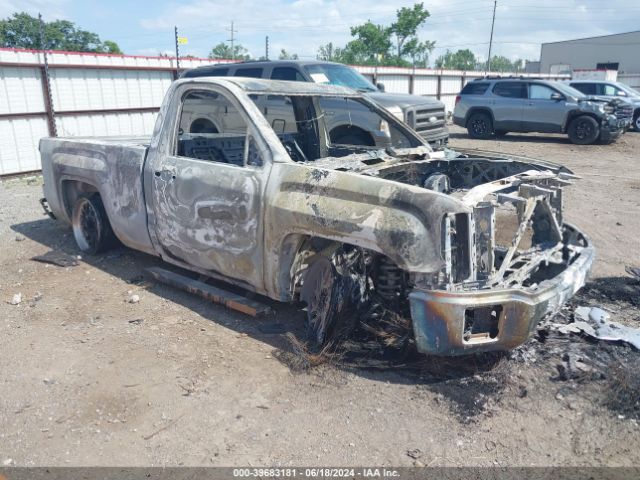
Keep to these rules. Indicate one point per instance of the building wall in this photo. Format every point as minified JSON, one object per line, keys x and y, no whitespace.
{"x":586,"y":53}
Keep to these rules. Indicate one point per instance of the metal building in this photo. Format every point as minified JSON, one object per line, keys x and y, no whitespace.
{"x":620,"y":52}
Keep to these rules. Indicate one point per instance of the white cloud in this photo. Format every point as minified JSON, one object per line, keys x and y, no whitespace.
{"x":50,"y":9}
{"x":302,"y":25}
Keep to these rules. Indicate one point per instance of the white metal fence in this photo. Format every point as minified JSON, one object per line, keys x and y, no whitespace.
{"x":101,"y":94}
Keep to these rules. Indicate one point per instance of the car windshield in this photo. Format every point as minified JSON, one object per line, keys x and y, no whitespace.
{"x":314,"y":127}
{"x":339,"y":75}
{"x":567,"y":90}
{"x":628,"y":90}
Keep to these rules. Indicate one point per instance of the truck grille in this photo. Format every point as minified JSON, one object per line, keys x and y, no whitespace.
{"x":428,"y":121}
{"x":623,"y":110}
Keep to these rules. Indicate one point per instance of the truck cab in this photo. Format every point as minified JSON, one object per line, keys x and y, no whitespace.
{"x":425,"y":115}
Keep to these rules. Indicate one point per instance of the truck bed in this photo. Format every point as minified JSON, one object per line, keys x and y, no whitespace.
{"x":112,"y":165}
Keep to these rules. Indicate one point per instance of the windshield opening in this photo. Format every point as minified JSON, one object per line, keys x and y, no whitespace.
{"x":339,"y":75}
{"x":314,"y":127}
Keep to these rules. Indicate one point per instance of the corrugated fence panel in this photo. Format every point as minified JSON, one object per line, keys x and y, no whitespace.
{"x":19,"y":140}
{"x":394,"y":83}
{"x":20,"y":90}
{"x":424,"y":85}
{"x":108,"y":124}
{"x":85,"y":89}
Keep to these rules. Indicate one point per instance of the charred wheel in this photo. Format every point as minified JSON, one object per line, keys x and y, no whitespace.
{"x":91,"y":228}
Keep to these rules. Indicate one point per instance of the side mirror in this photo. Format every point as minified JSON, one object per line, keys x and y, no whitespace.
{"x":620,"y":93}
{"x":380,"y":86}
{"x":557,"y":96}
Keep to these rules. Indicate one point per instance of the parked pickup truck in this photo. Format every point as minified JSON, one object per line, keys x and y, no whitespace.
{"x":471,"y":245}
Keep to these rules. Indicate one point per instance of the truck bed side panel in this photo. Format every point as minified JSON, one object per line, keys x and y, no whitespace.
{"x":113,"y":166}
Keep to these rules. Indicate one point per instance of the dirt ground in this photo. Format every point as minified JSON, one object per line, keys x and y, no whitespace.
{"x":88,"y":378}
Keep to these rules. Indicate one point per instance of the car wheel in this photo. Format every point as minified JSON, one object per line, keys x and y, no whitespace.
{"x":500,"y":133}
{"x":91,"y":228}
{"x":583,"y":130}
{"x":636,"y":121}
{"x":480,"y":126}
{"x":320,"y":291}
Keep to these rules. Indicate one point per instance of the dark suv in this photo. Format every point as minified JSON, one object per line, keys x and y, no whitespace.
{"x":424,"y":114}
{"x":496,"y":106}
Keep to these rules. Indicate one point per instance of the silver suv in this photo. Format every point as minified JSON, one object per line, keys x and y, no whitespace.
{"x":425,"y":115}
{"x":602,"y":88}
{"x":495,"y":106}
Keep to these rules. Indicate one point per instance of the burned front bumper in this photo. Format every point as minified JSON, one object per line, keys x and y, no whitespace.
{"x":441,"y":319}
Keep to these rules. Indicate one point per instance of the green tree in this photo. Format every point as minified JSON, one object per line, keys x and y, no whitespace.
{"x":503,"y":64}
{"x":22,"y":30}
{"x":460,"y":60}
{"x":408,"y":20}
{"x":223,"y":50}
{"x":326,"y":52}
{"x":284,"y":55}
{"x":418,"y":51}
{"x":109,"y":46}
{"x":371,"y":45}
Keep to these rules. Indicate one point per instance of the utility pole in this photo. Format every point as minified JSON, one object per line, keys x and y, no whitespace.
{"x":488,"y":69}
{"x":53,"y":130}
{"x":266,"y":47}
{"x":177,"y":54}
{"x":232,"y":40}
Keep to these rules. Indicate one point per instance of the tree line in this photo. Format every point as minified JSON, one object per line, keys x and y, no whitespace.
{"x":397,"y":44}
{"x":22,"y":30}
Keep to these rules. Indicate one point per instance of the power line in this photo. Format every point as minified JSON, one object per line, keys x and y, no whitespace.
{"x":493,"y":21}
{"x":233,"y":51}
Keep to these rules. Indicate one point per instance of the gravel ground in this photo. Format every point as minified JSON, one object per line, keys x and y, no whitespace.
{"x":89,"y":378}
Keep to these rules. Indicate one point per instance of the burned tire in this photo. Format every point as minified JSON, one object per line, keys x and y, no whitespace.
{"x":91,"y":228}
{"x":480,"y":126}
{"x":321,"y":292}
{"x":583,"y":130}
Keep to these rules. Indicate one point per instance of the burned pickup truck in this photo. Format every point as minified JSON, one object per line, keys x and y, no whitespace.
{"x":471,"y":245}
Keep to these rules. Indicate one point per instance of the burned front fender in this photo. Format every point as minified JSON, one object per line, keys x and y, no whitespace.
{"x":462,"y":322}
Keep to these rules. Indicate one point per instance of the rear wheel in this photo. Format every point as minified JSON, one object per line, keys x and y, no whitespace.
{"x":91,"y":228}
{"x":480,"y":126}
{"x":583,"y":130}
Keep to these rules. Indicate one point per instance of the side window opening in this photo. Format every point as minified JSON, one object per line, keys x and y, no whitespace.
{"x":287,"y":73}
{"x":475,"y":88}
{"x":540,"y":92}
{"x":248,"y":72}
{"x":510,"y":89}
{"x":212,"y":128}
{"x":586,"y":88}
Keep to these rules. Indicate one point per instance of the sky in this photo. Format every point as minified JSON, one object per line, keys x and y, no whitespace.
{"x":146,"y":27}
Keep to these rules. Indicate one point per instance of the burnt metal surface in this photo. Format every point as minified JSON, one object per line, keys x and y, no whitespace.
{"x":230,"y":300}
{"x":475,"y":242}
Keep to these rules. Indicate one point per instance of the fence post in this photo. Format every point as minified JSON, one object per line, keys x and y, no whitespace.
{"x":439,"y":86}
{"x":48,"y":102}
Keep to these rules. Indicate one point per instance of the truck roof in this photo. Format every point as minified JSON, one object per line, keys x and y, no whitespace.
{"x":262,"y":86}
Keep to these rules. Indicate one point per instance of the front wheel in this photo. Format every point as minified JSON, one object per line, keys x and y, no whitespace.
{"x":636,"y":121}
{"x":91,"y":228}
{"x":583,"y":130}
{"x":480,"y":126}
